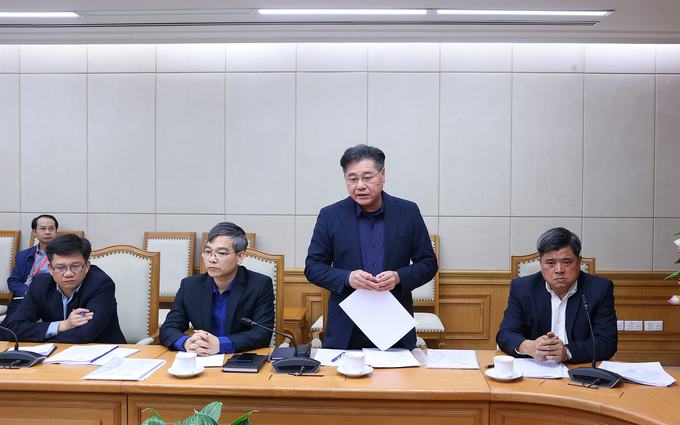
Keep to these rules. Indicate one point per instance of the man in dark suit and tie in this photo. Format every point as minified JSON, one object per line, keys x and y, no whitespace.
{"x":546,"y":317}
{"x":367,"y":241}
{"x":214,"y":302}
{"x":74,"y":303}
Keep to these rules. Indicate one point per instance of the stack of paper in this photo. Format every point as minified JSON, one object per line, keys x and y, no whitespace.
{"x":81,"y":355}
{"x":394,"y":357}
{"x":452,"y":359}
{"x":532,"y":368}
{"x":44,"y":349}
{"x":119,"y":369}
{"x":650,"y":373}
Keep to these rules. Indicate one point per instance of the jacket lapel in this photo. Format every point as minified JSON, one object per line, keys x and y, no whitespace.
{"x":348,"y":220}
{"x":392,"y":212}
{"x":573,"y":305}
{"x":544,"y":305}
{"x":205,"y":301}
{"x":237,"y":290}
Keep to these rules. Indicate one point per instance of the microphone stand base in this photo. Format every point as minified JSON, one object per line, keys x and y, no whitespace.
{"x":593,"y":376}
{"x":25,"y":358}
{"x":300,"y":365}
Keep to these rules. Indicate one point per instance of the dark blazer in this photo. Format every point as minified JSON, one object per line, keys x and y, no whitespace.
{"x":529,"y":315}
{"x":16,"y":282}
{"x":335,"y":251}
{"x":96,"y":293}
{"x":252,"y":296}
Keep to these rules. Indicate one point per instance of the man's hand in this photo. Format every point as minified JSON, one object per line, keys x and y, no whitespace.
{"x":360,"y":279}
{"x":78,"y":317}
{"x":387,"y":280}
{"x":546,"y":347}
{"x":202,"y":343}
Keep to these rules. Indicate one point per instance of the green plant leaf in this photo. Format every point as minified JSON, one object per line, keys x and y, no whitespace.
{"x":204,"y":419}
{"x":156,"y":419}
{"x":191,"y":420}
{"x":676,"y":274}
{"x":214,"y":410}
{"x":243,"y":420}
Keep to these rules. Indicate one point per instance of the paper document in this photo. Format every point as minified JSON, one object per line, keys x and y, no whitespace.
{"x":44,"y":349}
{"x":394,"y":357}
{"x":650,"y":373}
{"x":532,"y":368}
{"x":118,"y":352}
{"x":379,"y":315}
{"x":326,"y":356}
{"x":216,"y":360}
{"x":81,"y":355}
{"x":120,"y":369}
{"x":452,"y":359}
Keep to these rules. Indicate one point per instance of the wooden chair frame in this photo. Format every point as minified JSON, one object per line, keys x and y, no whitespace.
{"x":78,"y":233}
{"x":16,"y":234}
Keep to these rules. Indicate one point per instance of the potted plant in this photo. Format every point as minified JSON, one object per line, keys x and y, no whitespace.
{"x":209,"y":415}
{"x":675,"y":300}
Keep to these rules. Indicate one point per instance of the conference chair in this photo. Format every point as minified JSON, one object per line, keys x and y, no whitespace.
{"x":177,"y":262}
{"x":9,"y":246}
{"x":136,"y":274}
{"x":525,"y":265}
{"x":425,"y":305}
{"x":34,"y":241}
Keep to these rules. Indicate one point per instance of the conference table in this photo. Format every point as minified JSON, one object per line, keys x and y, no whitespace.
{"x":56,"y":394}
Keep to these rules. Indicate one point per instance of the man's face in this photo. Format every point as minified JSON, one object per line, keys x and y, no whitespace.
{"x":220,"y":265}
{"x":45,"y":230}
{"x":560,"y":268}
{"x":68,"y":279}
{"x":368,"y":194}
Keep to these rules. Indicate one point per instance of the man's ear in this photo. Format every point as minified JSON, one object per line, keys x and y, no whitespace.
{"x":240,"y":256}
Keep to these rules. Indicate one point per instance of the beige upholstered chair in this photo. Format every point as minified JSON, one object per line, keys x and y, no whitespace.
{"x":425,"y":306}
{"x":177,"y":262}
{"x":79,"y":233}
{"x":136,"y":275}
{"x":525,"y":265}
{"x":9,"y":246}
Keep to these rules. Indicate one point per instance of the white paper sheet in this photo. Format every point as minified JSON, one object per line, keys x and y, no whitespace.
{"x":44,"y":349}
{"x":452,"y":359}
{"x":394,"y":357}
{"x":120,"y":369}
{"x":81,"y":355}
{"x":326,"y":356}
{"x":532,"y":368}
{"x":379,"y":315}
{"x":648,"y":373}
{"x":216,"y":360}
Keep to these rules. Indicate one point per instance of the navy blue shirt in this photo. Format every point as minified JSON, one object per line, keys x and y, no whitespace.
{"x":371,"y":239}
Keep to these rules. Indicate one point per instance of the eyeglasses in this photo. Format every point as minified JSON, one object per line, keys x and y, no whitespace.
{"x":221,"y":255}
{"x":368,"y":178}
{"x":43,"y":228}
{"x":62,"y":270}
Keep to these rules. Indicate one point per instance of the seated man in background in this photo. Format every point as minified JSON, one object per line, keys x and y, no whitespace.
{"x":30,"y":262}
{"x":546,"y":318}
{"x":216,"y":301}
{"x":74,"y":303}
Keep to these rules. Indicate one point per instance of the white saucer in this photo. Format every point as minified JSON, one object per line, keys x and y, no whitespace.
{"x":492,"y":373}
{"x":367,"y":370}
{"x":178,"y":374}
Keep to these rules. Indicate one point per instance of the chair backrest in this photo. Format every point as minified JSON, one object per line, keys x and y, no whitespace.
{"x":249,"y":236}
{"x":177,"y":259}
{"x":272,"y":266}
{"x":34,"y":241}
{"x":428,"y":294}
{"x":525,"y":265}
{"x":9,"y":246}
{"x":136,"y":275}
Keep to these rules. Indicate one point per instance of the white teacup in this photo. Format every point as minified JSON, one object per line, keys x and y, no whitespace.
{"x":184,"y":362}
{"x":504,"y":365}
{"x":354,"y":362}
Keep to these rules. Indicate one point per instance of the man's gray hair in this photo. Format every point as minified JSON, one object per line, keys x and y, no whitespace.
{"x":237,"y":235}
{"x":558,"y":238}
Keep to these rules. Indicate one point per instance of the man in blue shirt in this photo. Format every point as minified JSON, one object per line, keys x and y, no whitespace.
{"x":30,"y":262}
{"x":370,"y":241}
{"x":214,"y":302}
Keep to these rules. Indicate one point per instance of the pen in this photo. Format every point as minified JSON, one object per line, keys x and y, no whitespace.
{"x":489,"y":366}
{"x":337,"y":357}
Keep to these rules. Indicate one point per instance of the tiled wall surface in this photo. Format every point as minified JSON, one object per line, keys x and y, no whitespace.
{"x":495,"y":142}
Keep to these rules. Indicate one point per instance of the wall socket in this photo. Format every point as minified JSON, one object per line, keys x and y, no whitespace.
{"x":633,"y":325}
{"x":653,"y":325}
{"x":619,"y":325}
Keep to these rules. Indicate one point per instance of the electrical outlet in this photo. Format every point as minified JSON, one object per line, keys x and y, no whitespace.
{"x":653,"y":325}
{"x":619,"y":325}
{"x":633,"y":325}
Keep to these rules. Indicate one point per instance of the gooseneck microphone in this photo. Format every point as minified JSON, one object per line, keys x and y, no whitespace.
{"x":593,"y":376}
{"x":18,"y":358}
{"x":298,"y":363}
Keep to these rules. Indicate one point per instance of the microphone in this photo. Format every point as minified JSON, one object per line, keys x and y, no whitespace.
{"x":593,"y":376}
{"x":18,"y":358}
{"x":299,"y":363}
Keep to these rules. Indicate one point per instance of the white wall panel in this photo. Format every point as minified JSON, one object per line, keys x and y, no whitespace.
{"x":191,"y":57}
{"x":261,"y":57}
{"x":620,"y":58}
{"x":260,"y":156}
{"x":668,"y":59}
{"x":53,"y":59}
{"x":474,"y":153}
{"x":118,"y":229}
{"x":190,"y":141}
{"x":332,"y":57}
{"x":404,"y":57}
{"x":121,"y":58}
{"x":53,"y":143}
{"x":667,"y":147}
{"x":547,"y":57}
{"x":476,"y":57}
{"x":10,"y":143}
{"x":274,"y":234}
{"x":331,"y":117}
{"x":9,"y":59}
{"x":474,"y":243}
{"x":623,"y":244}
